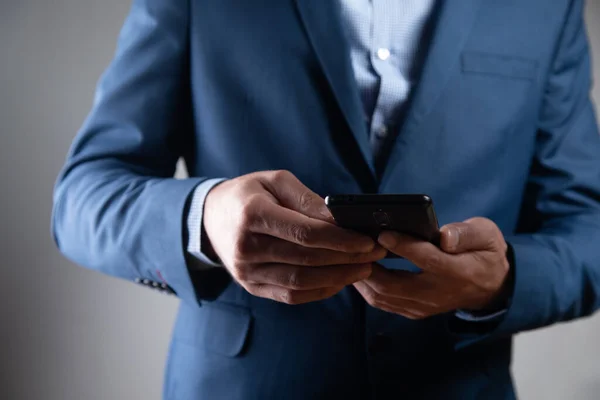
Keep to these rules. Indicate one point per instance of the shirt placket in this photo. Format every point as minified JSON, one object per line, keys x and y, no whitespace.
{"x":382,"y":58}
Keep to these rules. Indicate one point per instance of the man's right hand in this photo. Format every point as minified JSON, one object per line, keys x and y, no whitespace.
{"x":278,"y":239}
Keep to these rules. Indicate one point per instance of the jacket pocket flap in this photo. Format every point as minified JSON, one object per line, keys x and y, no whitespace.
{"x":499,"y":65}
{"x":216,"y":327}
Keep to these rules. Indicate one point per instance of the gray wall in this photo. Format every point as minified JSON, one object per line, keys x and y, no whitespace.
{"x":68,"y":333}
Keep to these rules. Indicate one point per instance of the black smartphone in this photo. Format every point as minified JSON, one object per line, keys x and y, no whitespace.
{"x":370,"y":214}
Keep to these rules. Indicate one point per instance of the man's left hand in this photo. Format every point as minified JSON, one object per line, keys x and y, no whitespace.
{"x":468,"y":271}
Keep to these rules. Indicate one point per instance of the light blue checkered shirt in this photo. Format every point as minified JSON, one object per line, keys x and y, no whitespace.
{"x":385,"y":37}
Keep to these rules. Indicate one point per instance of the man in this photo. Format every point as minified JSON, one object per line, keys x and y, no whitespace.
{"x":482,"y":105}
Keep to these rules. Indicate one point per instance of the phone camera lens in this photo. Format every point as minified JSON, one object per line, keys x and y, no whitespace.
{"x":382,"y":219}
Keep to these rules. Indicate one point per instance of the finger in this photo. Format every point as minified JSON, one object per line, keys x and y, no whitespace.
{"x":259,"y":249}
{"x":294,"y":227}
{"x":402,"y":285}
{"x":409,"y":313}
{"x":288,"y":296}
{"x":293,"y":194}
{"x":406,"y":308}
{"x":471,"y":235}
{"x":305,"y":278}
{"x":423,"y":254}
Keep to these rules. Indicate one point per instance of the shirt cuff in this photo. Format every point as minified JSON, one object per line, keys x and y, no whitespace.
{"x":194,"y":224}
{"x":468,"y":316}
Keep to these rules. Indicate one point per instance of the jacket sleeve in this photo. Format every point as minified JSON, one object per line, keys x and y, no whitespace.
{"x":117,"y":208}
{"x":557,"y":249}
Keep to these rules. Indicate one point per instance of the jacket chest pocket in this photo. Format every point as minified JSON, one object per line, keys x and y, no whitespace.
{"x":499,"y":66}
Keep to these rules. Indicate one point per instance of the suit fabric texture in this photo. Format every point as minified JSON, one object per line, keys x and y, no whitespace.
{"x":500,"y":125}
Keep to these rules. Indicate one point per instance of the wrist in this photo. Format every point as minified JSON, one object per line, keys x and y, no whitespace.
{"x":205,"y":241}
{"x":501,"y":299}
{"x":206,"y":246}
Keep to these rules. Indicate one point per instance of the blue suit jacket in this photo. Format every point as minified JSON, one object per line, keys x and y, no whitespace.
{"x":500,"y":125}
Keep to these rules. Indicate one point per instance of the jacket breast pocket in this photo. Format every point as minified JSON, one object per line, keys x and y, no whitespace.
{"x":501,"y":66}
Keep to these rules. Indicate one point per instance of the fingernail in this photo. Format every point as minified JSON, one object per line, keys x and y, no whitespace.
{"x":368,"y":244}
{"x":451,"y":238}
{"x":388,"y":239}
{"x":324,"y":211}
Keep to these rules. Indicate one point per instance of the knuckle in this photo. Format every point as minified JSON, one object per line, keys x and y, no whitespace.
{"x":409,"y":315}
{"x":501,"y":245}
{"x":480,"y":223}
{"x":488,"y":224}
{"x":295,"y":280}
{"x":301,"y":234}
{"x":370,"y":301}
{"x":243,"y":248}
{"x":252,"y":289}
{"x":250,"y":211}
{"x":289,"y":297}
{"x":487,"y":227}
{"x":242,"y":185}
{"x":374,"y":299}
{"x":280,"y":176}
{"x":241,"y":273}
{"x":308,"y":259}
{"x":492,"y":241}
{"x":246,"y":218}
{"x":307,"y":199}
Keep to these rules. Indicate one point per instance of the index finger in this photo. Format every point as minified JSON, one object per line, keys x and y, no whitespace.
{"x":293,"y":194}
{"x":423,"y":254}
{"x":295,"y":227}
{"x":297,"y":277}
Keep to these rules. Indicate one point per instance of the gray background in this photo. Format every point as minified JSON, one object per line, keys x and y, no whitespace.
{"x":68,"y":333}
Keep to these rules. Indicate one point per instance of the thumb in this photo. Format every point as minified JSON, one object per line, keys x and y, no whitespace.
{"x":470,"y":235}
{"x":293,"y":194}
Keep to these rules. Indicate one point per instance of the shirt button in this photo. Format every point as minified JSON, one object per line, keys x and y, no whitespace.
{"x":383,"y":53}
{"x":381,"y":132}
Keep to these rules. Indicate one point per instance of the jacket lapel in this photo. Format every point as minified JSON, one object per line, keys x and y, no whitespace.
{"x":322,"y":22}
{"x":455,"y":21}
